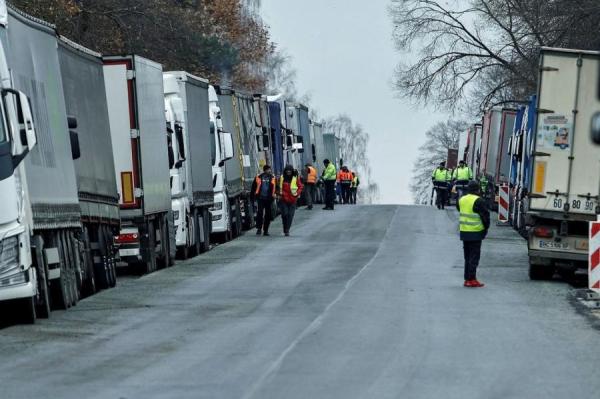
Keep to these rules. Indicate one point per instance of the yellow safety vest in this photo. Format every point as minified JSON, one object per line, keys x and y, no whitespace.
{"x":354,"y":182}
{"x":293,"y":185}
{"x":440,"y":175}
{"x":463,"y":173}
{"x":470,"y":221}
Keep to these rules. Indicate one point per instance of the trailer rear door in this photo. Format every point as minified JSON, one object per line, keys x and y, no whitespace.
{"x":566,"y":165}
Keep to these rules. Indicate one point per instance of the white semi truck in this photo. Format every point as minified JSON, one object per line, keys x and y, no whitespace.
{"x":190,"y":160}
{"x":42,"y":245}
{"x":134,"y":86}
{"x":563,"y":193}
{"x":223,"y":151}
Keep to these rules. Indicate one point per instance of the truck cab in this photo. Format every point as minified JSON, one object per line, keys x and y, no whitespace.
{"x":18,"y":279}
{"x":222,"y":144}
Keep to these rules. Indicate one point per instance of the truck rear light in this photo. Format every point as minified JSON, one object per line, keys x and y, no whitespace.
{"x":543,"y":232}
{"x":127,"y":238}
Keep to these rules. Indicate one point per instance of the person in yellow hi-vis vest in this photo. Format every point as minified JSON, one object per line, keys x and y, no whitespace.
{"x":474,"y":221}
{"x":289,"y":190}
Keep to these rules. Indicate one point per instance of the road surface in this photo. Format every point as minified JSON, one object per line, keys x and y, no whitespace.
{"x":363,"y":302}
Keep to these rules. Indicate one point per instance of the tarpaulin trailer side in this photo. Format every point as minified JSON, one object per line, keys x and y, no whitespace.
{"x":134,"y":86}
{"x":195,"y":102}
{"x":85,"y":97}
{"x":233,"y":166}
{"x":31,"y":51}
{"x":276,"y":137}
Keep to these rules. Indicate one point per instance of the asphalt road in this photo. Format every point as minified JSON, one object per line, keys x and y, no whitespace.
{"x":363,"y":302}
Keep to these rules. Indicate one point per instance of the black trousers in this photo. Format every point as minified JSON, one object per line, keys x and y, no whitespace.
{"x":353,"y":191}
{"x":329,"y":193}
{"x":472,"y":251}
{"x":264,"y":214}
{"x":441,"y":195}
{"x":287,"y":215}
{"x":346,"y":192}
{"x":309,"y":193}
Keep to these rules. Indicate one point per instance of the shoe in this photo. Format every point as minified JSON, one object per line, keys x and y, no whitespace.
{"x":286,"y":233}
{"x":309,"y":208}
{"x":258,"y":232}
{"x":468,"y":283}
{"x":477,"y":284}
{"x":266,"y":234}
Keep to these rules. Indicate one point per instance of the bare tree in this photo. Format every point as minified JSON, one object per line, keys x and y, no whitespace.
{"x":484,"y":51}
{"x":354,"y":142}
{"x":441,"y":137}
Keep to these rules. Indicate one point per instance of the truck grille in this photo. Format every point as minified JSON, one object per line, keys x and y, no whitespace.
{"x":9,"y":256}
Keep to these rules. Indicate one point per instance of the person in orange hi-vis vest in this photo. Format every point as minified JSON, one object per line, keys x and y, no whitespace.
{"x":346,"y":183}
{"x":309,"y":188}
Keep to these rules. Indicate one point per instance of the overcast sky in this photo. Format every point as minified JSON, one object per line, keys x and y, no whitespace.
{"x":345,"y":58}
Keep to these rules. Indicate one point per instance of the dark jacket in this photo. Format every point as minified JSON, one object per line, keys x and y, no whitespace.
{"x":253,"y":195}
{"x":481,"y":209}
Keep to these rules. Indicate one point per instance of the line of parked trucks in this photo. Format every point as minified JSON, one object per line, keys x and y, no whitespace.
{"x":543,"y":151}
{"x":109,"y":160}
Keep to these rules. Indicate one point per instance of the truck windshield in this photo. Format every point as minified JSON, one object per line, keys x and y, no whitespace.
{"x":213,"y":143}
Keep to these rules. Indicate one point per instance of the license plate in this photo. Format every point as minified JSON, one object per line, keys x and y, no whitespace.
{"x":553,"y":245}
{"x":129,"y":252}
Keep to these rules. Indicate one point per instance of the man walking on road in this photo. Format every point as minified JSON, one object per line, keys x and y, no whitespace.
{"x":329,"y":178}
{"x":289,"y":190}
{"x":474,"y":224}
{"x":311,"y":181}
{"x":440,"y":183}
{"x":263,"y":190}
{"x":461,"y":176}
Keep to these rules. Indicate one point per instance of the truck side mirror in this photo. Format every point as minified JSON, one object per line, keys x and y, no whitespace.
{"x":73,"y":137}
{"x":227,"y":145}
{"x":595,"y":131}
{"x":25,"y":128}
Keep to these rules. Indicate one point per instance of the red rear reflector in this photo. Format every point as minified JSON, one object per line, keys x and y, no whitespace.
{"x":126,"y":238}
{"x":543,"y":232}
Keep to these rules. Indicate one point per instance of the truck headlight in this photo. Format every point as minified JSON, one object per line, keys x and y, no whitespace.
{"x":217,"y":206}
{"x":176,"y":215}
{"x":9,"y":255}
{"x":216,"y":217}
{"x":19,"y":278}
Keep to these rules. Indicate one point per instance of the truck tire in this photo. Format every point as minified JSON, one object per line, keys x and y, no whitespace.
{"x":110,"y":258}
{"x":149,"y":265}
{"x":41,"y":268}
{"x":236,"y":228}
{"x":540,"y":272}
{"x":26,"y":310}
{"x":206,"y":223}
{"x":61,"y":287}
{"x":165,"y":256}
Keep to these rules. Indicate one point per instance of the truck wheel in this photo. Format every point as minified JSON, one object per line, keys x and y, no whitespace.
{"x":26,"y":310}
{"x":540,"y":272}
{"x":41,"y":268}
{"x":165,"y":256}
{"x":206,"y":221}
{"x":150,"y":265}
{"x":237,"y":227}
{"x":61,"y":287}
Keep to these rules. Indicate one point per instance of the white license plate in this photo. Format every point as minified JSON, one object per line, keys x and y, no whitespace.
{"x":553,"y":245}
{"x":129,"y":252}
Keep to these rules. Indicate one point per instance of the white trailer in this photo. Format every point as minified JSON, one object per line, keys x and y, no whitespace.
{"x":190,"y":160}
{"x":563,"y":194}
{"x":134,"y":87}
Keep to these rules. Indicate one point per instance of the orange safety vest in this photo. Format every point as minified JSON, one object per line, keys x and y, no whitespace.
{"x":346,"y":177}
{"x":312,"y":175}
{"x":259,"y":182}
